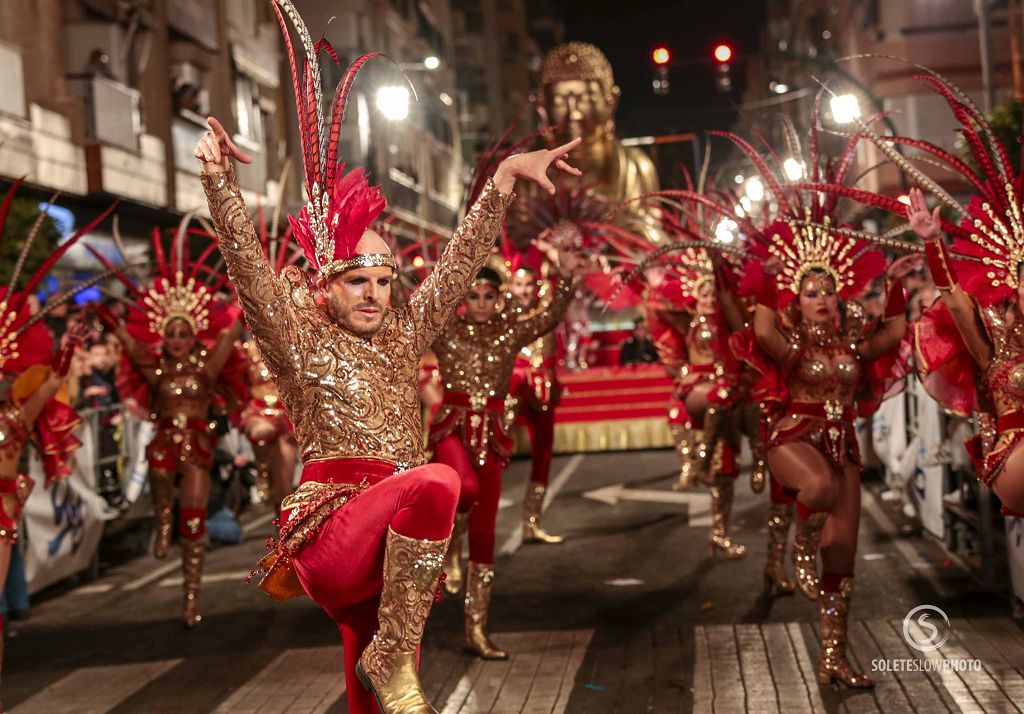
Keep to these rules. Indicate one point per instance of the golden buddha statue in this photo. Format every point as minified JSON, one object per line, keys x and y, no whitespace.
{"x":578,"y":95}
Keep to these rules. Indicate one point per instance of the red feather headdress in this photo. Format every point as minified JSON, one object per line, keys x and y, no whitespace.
{"x":341,"y":206}
{"x":24,"y":339}
{"x":181,"y":288}
{"x":988,"y":240}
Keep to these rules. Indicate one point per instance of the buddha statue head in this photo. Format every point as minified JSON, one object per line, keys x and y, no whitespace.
{"x":578,"y":94}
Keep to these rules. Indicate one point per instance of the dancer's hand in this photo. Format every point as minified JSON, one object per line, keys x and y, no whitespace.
{"x":215,"y":147}
{"x":533,"y":166}
{"x":922,"y":221}
{"x":907,"y":264}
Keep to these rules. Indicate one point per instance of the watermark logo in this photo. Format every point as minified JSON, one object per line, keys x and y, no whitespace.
{"x":926,"y":629}
{"x":932,"y":628}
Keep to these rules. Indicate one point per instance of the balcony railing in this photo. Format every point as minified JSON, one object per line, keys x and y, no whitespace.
{"x":112,"y":111}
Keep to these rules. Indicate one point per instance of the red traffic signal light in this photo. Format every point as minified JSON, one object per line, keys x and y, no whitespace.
{"x":661,"y":55}
{"x":723,"y":53}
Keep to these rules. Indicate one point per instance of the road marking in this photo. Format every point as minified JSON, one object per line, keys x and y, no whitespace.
{"x":257,"y":522}
{"x":238,"y":576}
{"x":905,"y":548}
{"x":94,"y":589}
{"x":552,"y":660}
{"x":698,"y":503}
{"x":152,"y":575}
{"x":514,"y":541}
{"x":95,"y":689}
{"x":307,"y":679}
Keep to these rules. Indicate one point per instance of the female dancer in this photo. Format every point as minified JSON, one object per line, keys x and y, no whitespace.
{"x":33,"y":400}
{"x":476,"y":352}
{"x":825,"y":350}
{"x":169,"y":367}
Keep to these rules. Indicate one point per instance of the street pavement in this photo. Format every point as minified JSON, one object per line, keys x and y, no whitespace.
{"x":628,"y":615}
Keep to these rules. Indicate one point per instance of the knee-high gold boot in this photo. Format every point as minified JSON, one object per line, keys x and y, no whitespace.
{"x":262,"y":451}
{"x":833,"y":611}
{"x":805,"y":554}
{"x":161,"y":489}
{"x":751,"y":417}
{"x":453,"y":577}
{"x":387,"y":667}
{"x":778,"y":533}
{"x":192,"y":554}
{"x":479,"y":579}
{"x":533,"y":503}
{"x":691,"y":451}
{"x":722,"y":489}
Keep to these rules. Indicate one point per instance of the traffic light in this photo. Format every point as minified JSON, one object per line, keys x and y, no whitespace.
{"x":723,"y":55}
{"x":661,"y":56}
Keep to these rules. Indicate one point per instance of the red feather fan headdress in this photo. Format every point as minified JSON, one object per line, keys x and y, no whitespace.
{"x":24,"y":339}
{"x":341,"y":206}
{"x":988,"y":241}
{"x":181,"y":289}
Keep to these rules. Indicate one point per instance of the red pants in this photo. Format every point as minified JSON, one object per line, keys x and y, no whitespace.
{"x":540,"y":425}
{"x":481,"y":490}
{"x":342,"y":567}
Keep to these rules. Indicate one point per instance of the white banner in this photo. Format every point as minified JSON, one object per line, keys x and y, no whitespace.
{"x":889,"y":433}
{"x":62,"y":525}
{"x":929,"y":474}
{"x":1015,"y":551}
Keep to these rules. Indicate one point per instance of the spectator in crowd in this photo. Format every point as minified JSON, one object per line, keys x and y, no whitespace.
{"x":638,"y":347}
{"x":15,"y":601}
{"x":97,"y":392}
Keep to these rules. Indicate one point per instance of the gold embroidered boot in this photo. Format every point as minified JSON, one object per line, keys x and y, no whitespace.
{"x":262,"y":451}
{"x":690,"y":449}
{"x":453,"y":577}
{"x":478,"y":601}
{"x":722,"y":489}
{"x":833,"y":611}
{"x":533,"y":503}
{"x":192,"y":555}
{"x":778,"y":533}
{"x":751,"y":416}
{"x":161,"y":489}
{"x":387,"y":667}
{"x":805,"y":554}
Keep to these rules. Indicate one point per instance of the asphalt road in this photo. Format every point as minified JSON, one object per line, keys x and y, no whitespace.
{"x":622,"y":617}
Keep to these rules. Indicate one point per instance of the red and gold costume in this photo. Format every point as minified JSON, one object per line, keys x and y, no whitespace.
{"x":265,"y":422}
{"x":179,"y":392}
{"x":34,"y":403}
{"x":469,"y":434}
{"x":815,"y":378}
{"x":365,"y":532}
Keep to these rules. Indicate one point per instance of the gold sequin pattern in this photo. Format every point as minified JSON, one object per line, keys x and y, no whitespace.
{"x":347,"y":396}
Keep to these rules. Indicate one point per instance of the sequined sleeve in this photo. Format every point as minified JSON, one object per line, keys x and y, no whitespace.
{"x":544,"y":321}
{"x":264,"y":297}
{"x":436,"y":299}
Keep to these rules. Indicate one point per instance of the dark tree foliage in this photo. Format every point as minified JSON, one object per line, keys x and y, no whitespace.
{"x":20,"y":218}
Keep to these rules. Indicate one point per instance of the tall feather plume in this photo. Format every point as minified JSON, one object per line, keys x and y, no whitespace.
{"x":37,"y":224}
{"x":761,"y":166}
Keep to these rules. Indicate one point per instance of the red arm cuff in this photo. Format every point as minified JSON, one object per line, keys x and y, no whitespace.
{"x":767,"y":292}
{"x":895,"y":301}
{"x":939,"y":265}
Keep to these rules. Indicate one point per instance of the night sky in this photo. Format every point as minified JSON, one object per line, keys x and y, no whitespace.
{"x":627,"y":31}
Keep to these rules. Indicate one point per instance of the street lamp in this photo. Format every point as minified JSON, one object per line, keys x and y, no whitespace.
{"x":393,"y":102}
{"x":725,"y":231}
{"x":431,"y":62}
{"x":845,"y":108}
{"x":754,"y":189}
{"x":794,"y":169}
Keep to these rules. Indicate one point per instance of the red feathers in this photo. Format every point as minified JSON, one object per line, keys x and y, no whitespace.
{"x":354,"y":206}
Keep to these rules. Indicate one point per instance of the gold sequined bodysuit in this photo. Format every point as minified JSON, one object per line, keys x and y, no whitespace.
{"x":347,"y":396}
{"x":824,"y":374}
{"x":477,"y":361}
{"x":1001,"y":433}
{"x":181,"y":403}
{"x":14,"y":487}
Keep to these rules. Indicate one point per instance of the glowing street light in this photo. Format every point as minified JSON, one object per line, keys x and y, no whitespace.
{"x":661,"y":55}
{"x":725,"y":231}
{"x":393,"y":102}
{"x":794,"y":169}
{"x":432,"y":62}
{"x":723,"y":53}
{"x":754,"y":189}
{"x":845,"y":108}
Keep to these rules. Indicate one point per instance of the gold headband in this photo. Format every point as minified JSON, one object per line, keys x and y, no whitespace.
{"x":367,"y":260}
